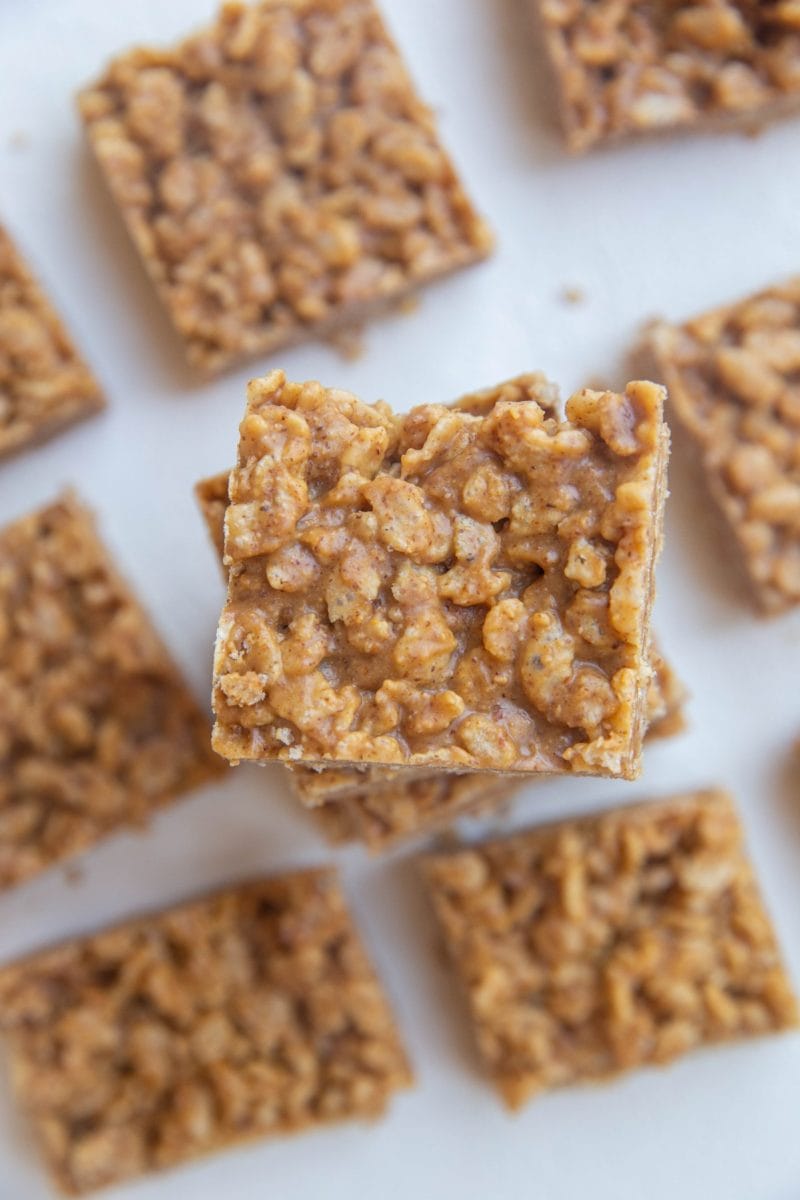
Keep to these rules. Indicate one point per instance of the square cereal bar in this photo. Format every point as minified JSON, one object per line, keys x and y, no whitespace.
{"x":279,"y":175}
{"x":734,"y":382}
{"x":465,"y":588}
{"x":251,"y":1012}
{"x":44,"y":383}
{"x":97,"y":728}
{"x":626,"y":67}
{"x":595,"y":946}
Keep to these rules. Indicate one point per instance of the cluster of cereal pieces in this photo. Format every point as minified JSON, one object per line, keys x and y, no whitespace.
{"x":422,"y":612}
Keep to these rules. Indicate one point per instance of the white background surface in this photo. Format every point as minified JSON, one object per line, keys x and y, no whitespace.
{"x":670,"y":227}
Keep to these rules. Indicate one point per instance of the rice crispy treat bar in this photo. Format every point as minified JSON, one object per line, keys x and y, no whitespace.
{"x":596,"y":946}
{"x":628,"y":67}
{"x":252,"y":1012}
{"x":279,"y":175}
{"x":44,"y":384}
{"x":97,"y":728}
{"x":465,"y":588}
{"x":734,"y":382}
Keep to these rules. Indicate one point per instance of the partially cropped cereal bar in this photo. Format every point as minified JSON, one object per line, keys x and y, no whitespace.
{"x":466,"y":588}
{"x":626,"y":67}
{"x":596,"y":946}
{"x":279,"y":175}
{"x":44,"y":384}
{"x":252,"y":1012}
{"x":97,"y":729}
{"x":734,"y":382}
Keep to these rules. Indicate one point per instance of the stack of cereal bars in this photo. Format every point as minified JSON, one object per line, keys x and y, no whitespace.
{"x":433,"y":608}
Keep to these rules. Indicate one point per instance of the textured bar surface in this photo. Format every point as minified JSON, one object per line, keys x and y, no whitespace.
{"x":734,"y":383}
{"x":626,"y":67}
{"x":44,"y":383}
{"x":596,"y":946}
{"x":97,"y":728}
{"x":252,"y":1012}
{"x":464,"y":587}
{"x":278,"y":175}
